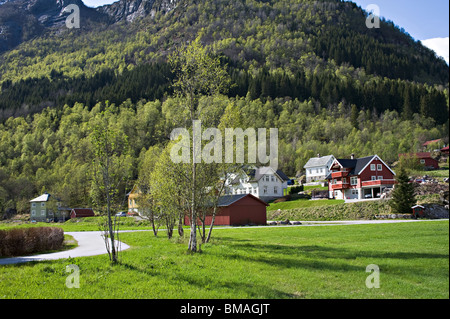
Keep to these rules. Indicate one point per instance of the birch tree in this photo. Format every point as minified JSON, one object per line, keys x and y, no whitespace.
{"x":197,"y":74}
{"x":109,"y":171}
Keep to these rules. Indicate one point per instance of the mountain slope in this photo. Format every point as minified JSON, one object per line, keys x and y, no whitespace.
{"x":289,"y":48}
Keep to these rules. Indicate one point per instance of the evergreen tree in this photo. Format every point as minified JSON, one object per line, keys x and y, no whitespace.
{"x":403,"y":197}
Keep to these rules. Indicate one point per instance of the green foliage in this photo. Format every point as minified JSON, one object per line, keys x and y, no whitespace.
{"x":52,"y":150}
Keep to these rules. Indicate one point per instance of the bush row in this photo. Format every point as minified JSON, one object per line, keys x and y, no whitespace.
{"x":25,"y":241}
{"x":355,"y":211}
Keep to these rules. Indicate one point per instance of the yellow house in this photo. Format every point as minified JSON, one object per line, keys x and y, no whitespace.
{"x":133,"y":207}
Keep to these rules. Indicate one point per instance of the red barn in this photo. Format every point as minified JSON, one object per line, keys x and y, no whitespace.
{"x":425,"y":159}
{"x":81,"y":212}
{"x":238,"y":210}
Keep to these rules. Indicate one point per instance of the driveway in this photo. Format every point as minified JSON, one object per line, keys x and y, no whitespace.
{"x":89,"y":244}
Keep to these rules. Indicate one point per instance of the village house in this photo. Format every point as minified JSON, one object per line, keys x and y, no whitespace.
{"x":359,"y":178}
{"x":47,"y":208}
{"x":423,"y":158}
{"x":318,"y":168}
{"x":262,"y":182}
{"x":133,"y":207}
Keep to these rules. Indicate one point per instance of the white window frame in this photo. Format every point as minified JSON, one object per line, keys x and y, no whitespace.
{"x":275,"y":189}
{"x":43,"y":212}
{"x":374,"y":178}
{"x":373,"y":167}
{"x":33,"y":213}
{"x":422,"y":161}
{"x":42,"y":204}
{"x":379,"y":167}
{"x":380,"y":178}
{"x":33,"y":204}
{"x":354,"y":180}
{"x":265,"y":190}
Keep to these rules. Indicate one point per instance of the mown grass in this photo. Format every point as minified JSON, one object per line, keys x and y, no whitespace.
{"x":270,"y":262}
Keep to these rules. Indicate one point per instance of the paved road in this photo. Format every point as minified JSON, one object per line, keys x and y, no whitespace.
{"x":89,"y":244}
{"x":92,"y":243}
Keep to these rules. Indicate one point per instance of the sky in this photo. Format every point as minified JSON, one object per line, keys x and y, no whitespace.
{"x":427,"y":21}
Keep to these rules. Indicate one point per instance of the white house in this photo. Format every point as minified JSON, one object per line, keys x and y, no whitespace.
{"x":263,"y":182}
{"x":318,"y":168}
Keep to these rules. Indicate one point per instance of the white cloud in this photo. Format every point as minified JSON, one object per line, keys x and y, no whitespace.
{"x":97,"y":3}
{"x":439,"y":45}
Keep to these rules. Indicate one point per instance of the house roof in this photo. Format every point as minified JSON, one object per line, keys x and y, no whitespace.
{"x":318,"y":161}
{"x":430,"y":142}
{"x":422,"y":155}
{"x":43,"y":198}
{"x":255,"y":174}
{"x":356,"y":166}
{"x":228,"y":200}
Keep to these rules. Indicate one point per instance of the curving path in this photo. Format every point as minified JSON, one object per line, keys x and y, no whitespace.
{"x":89,"y":244}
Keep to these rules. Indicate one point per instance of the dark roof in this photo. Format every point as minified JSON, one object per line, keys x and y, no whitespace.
{"x":356,"y":165}
{"x":282,"y":175}
{"x":228,"y":200}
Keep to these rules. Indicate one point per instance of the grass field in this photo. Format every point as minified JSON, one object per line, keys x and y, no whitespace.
{"x":278,"y":262}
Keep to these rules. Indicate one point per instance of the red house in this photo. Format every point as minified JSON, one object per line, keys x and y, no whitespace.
{"x":81,"y":212}
{"x":238,"y":210}
{"x":359,"y":178}
{"x":425,"y":159}
{"x":445,"y":150}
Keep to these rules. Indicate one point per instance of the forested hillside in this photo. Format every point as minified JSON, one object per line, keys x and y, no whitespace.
{"x":310,"y":68}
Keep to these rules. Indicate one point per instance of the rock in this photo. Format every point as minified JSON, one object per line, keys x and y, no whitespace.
{"x":434,"y":211}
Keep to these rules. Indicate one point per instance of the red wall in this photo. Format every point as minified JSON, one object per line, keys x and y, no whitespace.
{"x":248,"y":210}
{"x":367,"y":174}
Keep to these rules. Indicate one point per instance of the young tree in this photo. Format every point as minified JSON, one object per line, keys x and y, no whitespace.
{"x":197,"y":74}
{"x":109,"y":170}
{"x":146,"y":199}
{"x":403,"y":197}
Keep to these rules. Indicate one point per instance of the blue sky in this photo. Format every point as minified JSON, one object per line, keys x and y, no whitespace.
{"x":423,"y":20}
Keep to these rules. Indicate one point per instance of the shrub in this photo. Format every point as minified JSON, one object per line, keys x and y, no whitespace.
{"x":25,"y":241}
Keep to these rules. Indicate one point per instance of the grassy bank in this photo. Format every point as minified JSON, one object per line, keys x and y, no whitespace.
{"x":354,"y":211}
{"x":280,"y":262}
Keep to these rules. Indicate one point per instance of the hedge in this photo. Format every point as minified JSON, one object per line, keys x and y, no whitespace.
{"x":361,"y":210}
{"x":26,"y":241}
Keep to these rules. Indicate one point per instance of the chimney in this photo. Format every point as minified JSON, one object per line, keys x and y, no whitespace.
{"x":353,"y":156}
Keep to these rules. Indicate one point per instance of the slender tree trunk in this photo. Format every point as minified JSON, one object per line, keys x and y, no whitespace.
{"x":212,"y":225}
{"x":193,"y":236}
{"x":110,"y":226}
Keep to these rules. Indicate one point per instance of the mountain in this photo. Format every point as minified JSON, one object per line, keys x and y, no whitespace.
{"x":301,"y":49}
{"x":129,"y":10}
{"x":23,"y":20}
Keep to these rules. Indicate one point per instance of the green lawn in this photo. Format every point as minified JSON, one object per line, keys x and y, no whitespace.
{"x":300,"y":203}
{"x":270,"y":262}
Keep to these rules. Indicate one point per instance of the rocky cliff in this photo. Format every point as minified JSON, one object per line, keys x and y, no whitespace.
{"x":22,"y":20}
{"x":131,"y":9}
